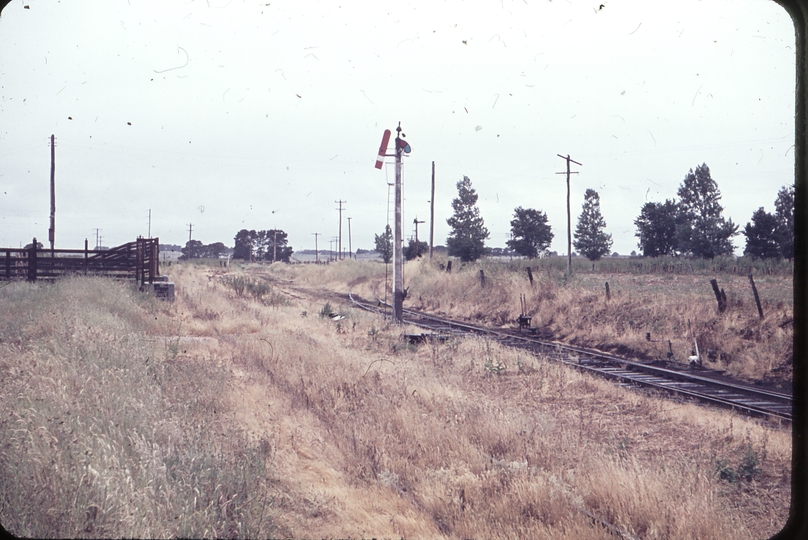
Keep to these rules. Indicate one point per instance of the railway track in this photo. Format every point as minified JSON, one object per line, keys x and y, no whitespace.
{"x":700,"y":385}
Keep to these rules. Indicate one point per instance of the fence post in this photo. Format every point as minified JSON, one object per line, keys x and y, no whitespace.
{"x":482,"y":278}
{"x":449,"y":266}
{"x":86,"y":255}
{"x":608,"y":294}
{"x":32,"y":262}
{"x":8,"y":264}
{"x":530,"y":275}
{"x":720,"y":298}
{"x":757,"y":298}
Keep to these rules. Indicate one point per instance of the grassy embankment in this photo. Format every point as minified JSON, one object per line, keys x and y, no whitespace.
{"x":673,"y":305}
{"x":282,"y":422}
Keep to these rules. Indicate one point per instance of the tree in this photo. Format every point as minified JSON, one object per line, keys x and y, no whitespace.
{"x":192,"y":250}
{"x":384,"y":244}
{"x":784,"y":213}
{"x":703,"y":231}
{"x":656,"y":228}
{"x":761,"y":236}
{"x":414,"y":250}
{"x":467,"y":239}
{"x":275,"y":245}
{"x":244,"y":244}
{"x":531,"y":235}
{"x":590,"y":239}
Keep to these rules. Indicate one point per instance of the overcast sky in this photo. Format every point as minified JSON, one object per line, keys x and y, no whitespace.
{"x":231,"y":114}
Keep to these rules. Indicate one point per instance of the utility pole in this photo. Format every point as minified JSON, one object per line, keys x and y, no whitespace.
{"x":275,"y":246}
{"x":330,"y":248}
{"x":432,"y":213}
{"x":97,"y":239}
{"x":190,"y":230}
{"x":416,"y":222}
{"x":316,"y":253}
{"x":350,"y":248}
{"x":569,"y":230}
{"x":149,"y":222}
{"x":339,"y":246}
{"x":52,"y":230}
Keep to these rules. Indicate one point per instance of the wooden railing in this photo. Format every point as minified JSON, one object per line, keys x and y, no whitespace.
{"x":138,"y":260}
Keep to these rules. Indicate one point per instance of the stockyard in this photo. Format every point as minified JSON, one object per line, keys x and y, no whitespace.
{"x":263,"y":403}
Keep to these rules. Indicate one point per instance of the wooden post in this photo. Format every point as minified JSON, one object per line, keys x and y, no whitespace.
{"x":449,"y":266}
{"x":722,"y":302}
{"x":482,"y":278}
{"x":530,"y":275}
{"x":86,"y":255}
{"x":8,"y":264}
{"x":608,"y":294}
{"x":32,"y":261}
{"x":757,"y":298}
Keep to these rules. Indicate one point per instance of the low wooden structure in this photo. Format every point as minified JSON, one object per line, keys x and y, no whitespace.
{"x":137,"y":260}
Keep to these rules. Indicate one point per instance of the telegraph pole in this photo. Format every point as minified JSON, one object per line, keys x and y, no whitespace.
{"x":190,"y":230}
{"x":316,"y":253}
{"x":275,"y":246}
{"x":569,"y":231}
{"x":416,"y":222}
{"x":339,"y":246}
{"x":149,"y":222}
{"x":52,"y":230}
{"x":350,"y":249}
{"x":432,"y":213}
{"x":97,"y":239}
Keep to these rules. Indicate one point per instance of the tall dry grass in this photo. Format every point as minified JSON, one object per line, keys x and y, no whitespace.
{"x":108,"y":431}
{"x":672,"y":307}
{"x":371,"y":436}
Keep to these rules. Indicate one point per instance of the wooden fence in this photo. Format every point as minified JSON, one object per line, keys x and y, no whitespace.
{"x":136,"y":260}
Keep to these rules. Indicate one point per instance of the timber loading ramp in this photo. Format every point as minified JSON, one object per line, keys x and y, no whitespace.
{"x":689,"y":383}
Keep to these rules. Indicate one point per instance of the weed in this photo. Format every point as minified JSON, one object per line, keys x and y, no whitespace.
{"x":327,"y":310}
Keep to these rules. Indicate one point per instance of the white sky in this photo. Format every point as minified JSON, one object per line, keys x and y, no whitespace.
{"x":261,"y":115}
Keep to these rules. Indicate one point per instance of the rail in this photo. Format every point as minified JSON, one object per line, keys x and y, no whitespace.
{"x":704,"y":386}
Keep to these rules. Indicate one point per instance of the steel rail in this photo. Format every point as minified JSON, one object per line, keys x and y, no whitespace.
{"x":729,"y":394}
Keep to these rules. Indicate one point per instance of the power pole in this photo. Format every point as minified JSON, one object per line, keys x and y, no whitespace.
{"x":416,"y":222}
{"x":316,"y":253}
{"x":569,"y":231}
{"x":149,"y":222}
{"x":350,"y":248}
{"x":52,"y":230}
{"x":275,"y":246}
{"x":97,"y":239}
{"x":339,"y":246}
{"x":432,"y":213}
{"x":190,"y":230}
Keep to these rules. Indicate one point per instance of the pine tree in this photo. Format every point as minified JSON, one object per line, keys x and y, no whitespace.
{"x":761,"y":236}
{"x":530,"y":231}
{"x":590,"y":240}
{"x":467,"y":239}
{"x":784,"y":213}
{"x":384,"y":244}
{"x":704,"y":232}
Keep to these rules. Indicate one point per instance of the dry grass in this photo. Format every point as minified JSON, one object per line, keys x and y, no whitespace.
{"x":343,"y":430}
{"x":672,"y":307}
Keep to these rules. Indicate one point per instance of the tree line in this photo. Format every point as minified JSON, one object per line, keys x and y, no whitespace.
{"x":692,"y":226}
{"x":250,"y":245}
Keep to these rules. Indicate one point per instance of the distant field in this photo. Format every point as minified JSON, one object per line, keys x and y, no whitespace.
{"x":240,"y":411}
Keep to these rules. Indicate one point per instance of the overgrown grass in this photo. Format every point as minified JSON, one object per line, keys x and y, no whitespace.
{"x":672,"y":309}
{"x":224,"y":416}
{"x":107,"y":432}
{"x":377,"y":437}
